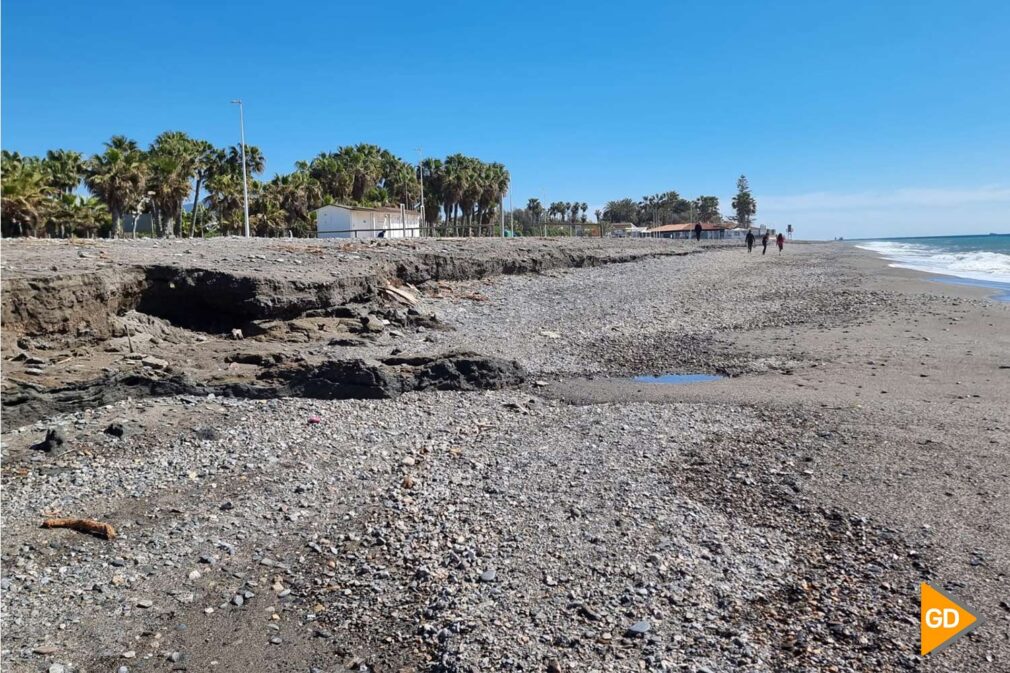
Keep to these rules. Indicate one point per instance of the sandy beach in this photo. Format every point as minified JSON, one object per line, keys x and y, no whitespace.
{"x":474,"y":480}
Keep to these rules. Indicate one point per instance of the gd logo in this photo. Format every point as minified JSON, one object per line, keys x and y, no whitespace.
{"x":941,"y":620}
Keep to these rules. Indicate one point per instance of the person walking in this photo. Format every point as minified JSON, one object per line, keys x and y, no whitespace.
{"x":764,"y":243}
{"x":780,"y":241}
{"x":750,"y":241}
{"x":697,"y":231}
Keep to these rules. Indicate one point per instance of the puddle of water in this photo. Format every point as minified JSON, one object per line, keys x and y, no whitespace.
{"x":677,"y":378}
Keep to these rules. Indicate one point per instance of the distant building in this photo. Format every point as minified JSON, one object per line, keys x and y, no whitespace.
{"x":709,"y":230}
{"x":336,"y":221}
{"x":624,"y":229}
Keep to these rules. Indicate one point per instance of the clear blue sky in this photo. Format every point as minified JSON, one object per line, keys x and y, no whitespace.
{"x":846,"y":116}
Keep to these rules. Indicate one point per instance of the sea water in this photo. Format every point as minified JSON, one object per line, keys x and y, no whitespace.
{"x":978,"y":260}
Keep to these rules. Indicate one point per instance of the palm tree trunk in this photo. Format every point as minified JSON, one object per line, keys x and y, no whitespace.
{"x":117,"y":223}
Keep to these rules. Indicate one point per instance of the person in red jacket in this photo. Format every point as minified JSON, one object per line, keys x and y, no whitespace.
{"x":780,"y":241}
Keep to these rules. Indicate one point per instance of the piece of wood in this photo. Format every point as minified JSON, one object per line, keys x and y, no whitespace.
{"x":89,"y":526}
{"x":401,"y":295}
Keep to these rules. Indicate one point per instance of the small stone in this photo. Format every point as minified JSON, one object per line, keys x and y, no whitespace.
{"x":145,"y":603}
{"x":408,"y":461}
{"x":237,"y":600}
{"x":276,"y":640}
{"x":57,"y":668}
{"x":130,"y":654}
{"x":237,"y":334}
{"x":323,"y":633}
{"x":194,"y":575}
{"x":175,"y":657}
{"x":553,"y":666}
{"x":154,"y":363}
{"x":123,"y":669}
{"x":372,"y":324}
{"x":639,"y":628}
{"x":46,"y":649}
{"x":488,"y":575}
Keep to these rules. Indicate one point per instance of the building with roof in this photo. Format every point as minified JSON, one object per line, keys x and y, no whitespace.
{"x":709,"y":230}
{"x":339,"y":221}
{"x":623,"y":229}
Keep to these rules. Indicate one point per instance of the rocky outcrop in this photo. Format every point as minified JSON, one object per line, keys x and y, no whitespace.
{"x":25,"y":402}
{"x":389,"y":377}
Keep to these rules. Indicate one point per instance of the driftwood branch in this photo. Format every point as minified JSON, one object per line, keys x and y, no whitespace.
{"x":89,"y":526}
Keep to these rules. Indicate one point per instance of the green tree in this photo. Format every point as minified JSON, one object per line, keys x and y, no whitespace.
{"x":25,"y":195}
{"x":621,"y":210}
{"x":172,"y":167}
{"x":117,"y":177}
{"x":64,"y":170}
{"x":743,"y":203}
{"x":536,"y":209}
{"x":209,"y":162}
{"x":707,"y":208}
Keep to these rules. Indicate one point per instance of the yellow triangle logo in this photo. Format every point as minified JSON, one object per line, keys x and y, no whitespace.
{"x":941,"y":620}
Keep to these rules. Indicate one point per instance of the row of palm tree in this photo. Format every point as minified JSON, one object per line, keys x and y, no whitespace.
{"x":663,"y":208}
{"x":189,"y":187}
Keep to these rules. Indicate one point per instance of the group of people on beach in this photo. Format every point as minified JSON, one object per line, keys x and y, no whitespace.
{"x":780,"y":241}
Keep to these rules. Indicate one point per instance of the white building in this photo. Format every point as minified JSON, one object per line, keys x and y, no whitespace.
{"x":360,"y":222}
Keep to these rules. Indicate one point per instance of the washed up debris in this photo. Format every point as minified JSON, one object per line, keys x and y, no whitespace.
{"x":400,"y":295}
{"x":115,"y":429}
{"x":89,"y":526}
{"x":53,"y":443}
{"x":639,"y":629}
{"x":315,"y":420}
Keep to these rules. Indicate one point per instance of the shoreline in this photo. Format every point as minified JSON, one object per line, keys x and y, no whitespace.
{"x":743,"y":519}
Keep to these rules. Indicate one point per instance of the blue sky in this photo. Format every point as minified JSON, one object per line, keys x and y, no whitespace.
{"x":850,"y":118}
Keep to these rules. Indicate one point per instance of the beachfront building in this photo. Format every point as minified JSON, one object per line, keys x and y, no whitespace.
{"x":708,"y":231}
{"x":625,"y":230}
{"x":338,"y":221}
{"x":686,"y":230}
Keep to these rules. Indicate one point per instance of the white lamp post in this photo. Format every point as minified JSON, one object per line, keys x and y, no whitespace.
{"x":245,"y":180}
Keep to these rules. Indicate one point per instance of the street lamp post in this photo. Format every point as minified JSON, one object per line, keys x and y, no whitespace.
{"x":420,"y":176}
{"x":245,"y":179}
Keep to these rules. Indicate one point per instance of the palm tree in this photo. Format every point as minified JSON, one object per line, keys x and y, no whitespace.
{"x":255,"y":163}
{"x":209,"y":161}
{"x":433,"y":176}
{"x":536,"y":209}
{"x":24,"y":200}
{"x":225,"y":199}
{"x":327,"y":170}
{"x":64,"y":169}
{"x":116,"y":177}
{"x":75,"y":215}
{"x":297,"y":195}
{"x":363,"y":165}
{"x":172,"y":164}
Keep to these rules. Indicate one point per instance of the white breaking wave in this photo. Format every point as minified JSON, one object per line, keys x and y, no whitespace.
{"x":979,"y":265}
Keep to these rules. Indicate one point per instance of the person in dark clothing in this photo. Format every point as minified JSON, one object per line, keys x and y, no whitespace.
{"x":764,"y":243}
{"x":750,"y":241}
{"x":780,"y":241}
{"x":697,"y":231}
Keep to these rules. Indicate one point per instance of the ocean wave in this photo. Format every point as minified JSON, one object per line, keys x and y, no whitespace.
{"x":976,"y":265}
